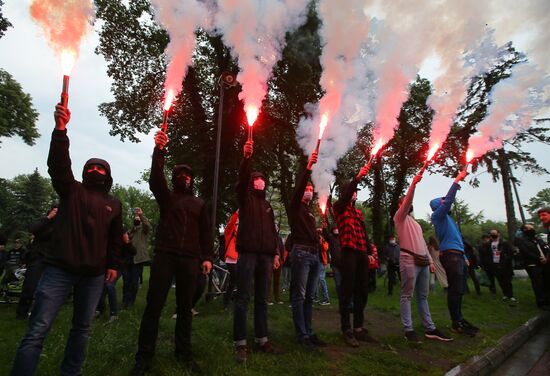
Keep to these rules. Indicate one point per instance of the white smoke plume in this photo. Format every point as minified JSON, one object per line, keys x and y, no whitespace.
{"x":180,"y":18}
{"x":347,"y":86}
{"x":255,"y":31}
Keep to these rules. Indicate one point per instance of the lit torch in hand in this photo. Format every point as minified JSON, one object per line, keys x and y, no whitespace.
{"x":167,"y":104}
{"x":67,"y":63}
{"x":252,"y":113}
{"x":430,"y":156}
{"x":374,"y":153}
{"x":322,"y":126}
{"x":469,"y":158}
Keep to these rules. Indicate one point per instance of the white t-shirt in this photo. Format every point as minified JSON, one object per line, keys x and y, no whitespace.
{"x":496,"y":252}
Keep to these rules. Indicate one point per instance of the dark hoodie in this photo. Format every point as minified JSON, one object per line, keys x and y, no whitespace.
{"x":257,"y":233}
{"x":88,"y":225}
{"x":531,"y":248}
{"x":184,"y":226}
{"x":300,"y":218}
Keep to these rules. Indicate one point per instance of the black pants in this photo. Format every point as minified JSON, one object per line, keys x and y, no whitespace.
{"x":32,"y":277}
{"x":393,"y":275}
{"x":254,"y":270}
{"x":165,"y":267}
{"x":355,"y":282}
{"x":231,"y":285}
{"x":454,"y":268}
{"x":504,"y":277}
{"x":540,"y":281}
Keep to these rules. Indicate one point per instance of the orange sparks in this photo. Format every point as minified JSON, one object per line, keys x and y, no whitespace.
{"x":68,"y":59}
{"x":323,"y":124}
{"x":168,"y":99}
{"x":432,"y":152}
{"x":377,"y":147}
{"x":469,"y":155}
{"x":252,"y":113}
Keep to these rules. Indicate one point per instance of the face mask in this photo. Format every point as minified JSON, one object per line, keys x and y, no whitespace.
{"x":335,"y":232}
{"x":393,"y":242}
{"x":259,"y":184}
{"x":530,"y":232}
{"x":94,"y":179}
{"x":308,"y":196}
{"x":494,"y":236}
{"x":137,"y":222}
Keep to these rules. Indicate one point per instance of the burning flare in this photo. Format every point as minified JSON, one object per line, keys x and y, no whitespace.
{"x":323,"y":124}
{"x":377,"y":147}
{"x":469,"y":155}
{"x":68,"y":59}
{"x":169,"y":99}
{"x":323,"y":205}
{"x":432,"y":152}
{"x":252,"y":113}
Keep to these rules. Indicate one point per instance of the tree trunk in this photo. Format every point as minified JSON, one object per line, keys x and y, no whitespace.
{"x":508,"y":198}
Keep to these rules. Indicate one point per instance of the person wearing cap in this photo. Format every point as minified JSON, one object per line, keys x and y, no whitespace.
{"x":183,"y":241}
{"x":257,"y":248}
{"x":87,"y":236}
{"x":354,"y":264}
{"x":42,"y":231}
{"x":452,"y":256}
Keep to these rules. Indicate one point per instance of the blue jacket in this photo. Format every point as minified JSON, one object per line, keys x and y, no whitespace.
{"x":445,"y":228}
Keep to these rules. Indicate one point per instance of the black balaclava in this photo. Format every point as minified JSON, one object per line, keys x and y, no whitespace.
{"x":179,"y":184}
{"x":94,"y":180}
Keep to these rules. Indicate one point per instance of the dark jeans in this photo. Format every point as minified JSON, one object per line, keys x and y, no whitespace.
{"x":127,"y":284}
{"x":355,"y":282}
{"x":275,"y":284}
{"x":52,"y":292}
{"x":32,"y":277}
{"x":231,"y":285}
{"x":109,"y":292}
{"x":471,"y":272}
{"x":165,"y":267}
{"x":136,"y":270}
{"x":454,"y":269}
{"x":337,"y":280}
{"x":393,"y":276}
{"x":304,"y":264}
{"x":504,"y":277}
{"x":540,"y":281}
{"x":254,"y":269}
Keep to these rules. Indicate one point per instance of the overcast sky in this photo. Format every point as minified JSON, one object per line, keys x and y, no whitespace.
{"x":25,"y":55}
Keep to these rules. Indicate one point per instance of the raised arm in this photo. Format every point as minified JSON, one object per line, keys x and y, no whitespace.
{"x":244,"y":174}
{"x":406,"y":205}
{"x":157,"y":180}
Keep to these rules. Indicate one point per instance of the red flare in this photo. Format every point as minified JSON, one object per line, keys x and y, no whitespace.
{"x":323,"y":206}
{"x":168,"y":100}
{"x":469,"y":155}
{"x":68,"y":59}
{"x":252,"y":113}
{"x":323,"y":124}
{"x":377,"y":147}
{"x":432,"y":152}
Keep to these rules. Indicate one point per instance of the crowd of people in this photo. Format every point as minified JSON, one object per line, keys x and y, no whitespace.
{"x":81,"y":248}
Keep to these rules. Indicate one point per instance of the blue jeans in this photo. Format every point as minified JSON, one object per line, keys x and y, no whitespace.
{"x":257,"y":268}
{"x":323,"y":283}
{"x":53,"y":289}
{"x":414,"y":279}
{"x":304,"y":263}
{"x":454,"y":269}
{"x":109,"y":292}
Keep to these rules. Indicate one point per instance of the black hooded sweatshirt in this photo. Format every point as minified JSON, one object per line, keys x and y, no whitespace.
{"x":43,"y":233}
{"x":531,"y":248}
{"x":257,"y":233}
{"x":302,"y":222}
{"x":88,"y":226}
{"x":184,"y":226}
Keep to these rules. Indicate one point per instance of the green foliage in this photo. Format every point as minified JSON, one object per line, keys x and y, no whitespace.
{"x":17,"y":113}
{"x":23,"y":200}
{"x":132,"y":198}
{"x":539,"y":201}
{"x":4,"y":23}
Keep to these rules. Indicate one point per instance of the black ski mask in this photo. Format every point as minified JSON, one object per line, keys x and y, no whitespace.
{"x":94,"y":180}
{"x":178,"y":178}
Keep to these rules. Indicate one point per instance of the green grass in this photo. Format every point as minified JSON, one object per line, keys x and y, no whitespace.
{"x":112,"y":346}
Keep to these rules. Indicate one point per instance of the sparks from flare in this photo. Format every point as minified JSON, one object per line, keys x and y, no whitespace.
{"x":469,"y":156}
{"x":377,"y":147}
{"x":68,"y":59}
{"x":168,"y":99}
{"x":323,"y":206}
{"x":323,"y":124}
{"x":431,"y":153}
{"x":252,"y":113}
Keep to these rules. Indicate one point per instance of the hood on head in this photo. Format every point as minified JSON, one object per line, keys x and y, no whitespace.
{"x":178,"y":169}
{"x":436,"y":203}
{"x":105,"y":165}
{"x":255,"y":175}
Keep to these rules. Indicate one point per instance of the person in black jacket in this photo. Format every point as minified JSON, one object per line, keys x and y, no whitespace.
{"x":42,"y":231}
{"x":304,"y":258}
{"x":496,"y":257}
{"x":87,"y":236}
{"x":535,"y":253}
{"x":257,"y":249}
{"x":183,"y":240}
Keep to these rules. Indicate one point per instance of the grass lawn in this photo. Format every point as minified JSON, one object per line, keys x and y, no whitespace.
{"x":112,"y":346}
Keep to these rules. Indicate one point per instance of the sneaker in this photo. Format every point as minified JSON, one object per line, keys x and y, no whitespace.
{"x":513,"y":302}
{"x":505,"y":298}
{"x":436,"y":334}
{"x":324,"y":303}
{"x":316,"y":341}
{"x":269,"y":303}
{"x":141,"y":367}
{"x":174,"y":316}
{"x":268,"y":348}
{"x":307,"y":344}
{"x":411,"y":337}
{"x":112,"y":319}
{"x":468,"y":325}
{"x":457,"y":327}
{"x":280,"y":302}
{"x":350,"y":339}
{"x":363,"y":335}
{"x":240,"y":353}
{"x":194,"y":312}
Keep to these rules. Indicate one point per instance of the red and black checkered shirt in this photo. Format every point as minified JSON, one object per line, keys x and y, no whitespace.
{"x":351,"y":227}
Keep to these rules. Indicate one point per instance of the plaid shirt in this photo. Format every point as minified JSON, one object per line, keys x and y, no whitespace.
{"x":351,"y":227}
